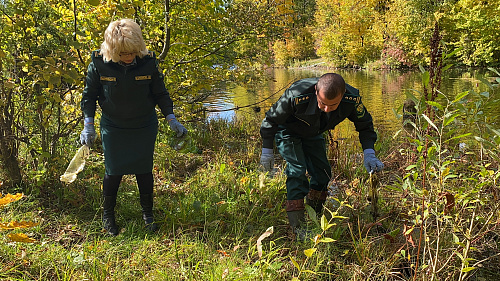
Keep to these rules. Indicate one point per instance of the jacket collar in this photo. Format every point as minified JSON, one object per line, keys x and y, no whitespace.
{"x":312,"y":107}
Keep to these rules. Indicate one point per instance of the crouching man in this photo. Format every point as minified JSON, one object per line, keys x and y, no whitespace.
{"x":296,"y":123}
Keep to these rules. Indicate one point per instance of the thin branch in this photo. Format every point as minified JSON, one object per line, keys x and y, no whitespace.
{"x":74,"y":31}
{"x":11,"y":19}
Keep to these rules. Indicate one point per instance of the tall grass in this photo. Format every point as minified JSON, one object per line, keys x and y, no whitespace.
{"x":438,"y":203}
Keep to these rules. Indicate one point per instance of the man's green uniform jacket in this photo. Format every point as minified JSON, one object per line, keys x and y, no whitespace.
{"x":127,"y":95}
{"x":297,"y":114}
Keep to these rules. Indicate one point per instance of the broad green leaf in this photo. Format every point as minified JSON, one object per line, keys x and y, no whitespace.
{"x":460,"y":96}
{"x":309,"y":252}
{"x":324,"y":223}
{"x":497,"y":132}
{"x":340,"y":217}
{"x":433,"y":103}
{"x":312,"y":214}
{"x":94,"y":2}
{"x":484,"y":94}
{"x":447,"y":67}
{"x":494,"y":70}
{"x":426,"y":78}
{"x":295,"y":263}
{"x":449,"y":119}
{"x":327,"y":240}
{"x":458,"y":137}
{"x":467,"y":269}
{"x":410,"y":167}
{"x":454,"y":52}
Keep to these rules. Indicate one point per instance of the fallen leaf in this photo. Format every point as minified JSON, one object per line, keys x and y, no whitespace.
{"x":264,"y":235}
{"x":10,"y":198}
{"x":20,"y":237}
{"x":15,"y":224}
{"x":224,"y":253}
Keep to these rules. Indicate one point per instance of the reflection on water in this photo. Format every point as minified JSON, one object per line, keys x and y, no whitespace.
{"x":381,"y":92}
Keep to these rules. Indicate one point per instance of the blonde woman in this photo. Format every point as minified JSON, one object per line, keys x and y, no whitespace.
{"x":123,"y":78}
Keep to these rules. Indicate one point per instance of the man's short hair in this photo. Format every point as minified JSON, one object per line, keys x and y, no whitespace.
{"x":332,"y":84}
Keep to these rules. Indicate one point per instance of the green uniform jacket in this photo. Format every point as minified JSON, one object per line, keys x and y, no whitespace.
{"x":297,"y":113}
{"x":127,"y":96}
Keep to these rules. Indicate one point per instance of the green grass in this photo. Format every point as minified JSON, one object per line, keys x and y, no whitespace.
{"x":212,"y":208}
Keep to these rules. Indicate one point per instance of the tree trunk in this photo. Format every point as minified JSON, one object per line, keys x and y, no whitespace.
{"x":10,"y":165}
{"x":8,"y":144}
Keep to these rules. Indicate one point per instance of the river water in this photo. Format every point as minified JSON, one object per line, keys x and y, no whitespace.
{"x":382,"y":92}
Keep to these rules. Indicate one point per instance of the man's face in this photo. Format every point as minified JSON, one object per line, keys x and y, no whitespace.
{"x":325,"y":104}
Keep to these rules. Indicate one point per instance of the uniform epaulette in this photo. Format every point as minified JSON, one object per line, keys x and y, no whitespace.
{"x":97,"y":54}
{"x":150,"y":54}
{"x":303,"y":98}
{"x":352,"y":98}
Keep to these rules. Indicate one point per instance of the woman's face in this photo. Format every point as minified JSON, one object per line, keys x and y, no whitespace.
{"x":127,"y":57}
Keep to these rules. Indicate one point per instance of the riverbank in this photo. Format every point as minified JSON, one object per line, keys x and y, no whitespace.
{"x":222,"y":219}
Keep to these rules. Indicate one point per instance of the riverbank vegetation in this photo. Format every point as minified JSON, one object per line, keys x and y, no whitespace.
{"x":220,"y":217}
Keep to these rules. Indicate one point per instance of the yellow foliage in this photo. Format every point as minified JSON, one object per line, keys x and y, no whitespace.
{"x":7,"y":199}
{"x":15,"y":224}
{"x":10,"y":198}
{"x":20,"y":237}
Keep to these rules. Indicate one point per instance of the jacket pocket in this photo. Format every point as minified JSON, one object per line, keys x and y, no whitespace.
{"x":108,"y":87}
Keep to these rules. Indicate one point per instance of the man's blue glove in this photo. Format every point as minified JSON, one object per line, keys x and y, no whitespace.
{"x":371,"y":162}
{"x":267,"y":159}
{"x":176,"y":126}
{"x":87,"y":136}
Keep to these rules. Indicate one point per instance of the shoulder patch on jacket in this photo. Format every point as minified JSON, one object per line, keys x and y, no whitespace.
{"x":143,"y":77}
{"x":304,"y":98}
{"x":352,"y":98}
{"x":108,"y":78}
{"x":97,"y":54}
{"x":360,"y":109}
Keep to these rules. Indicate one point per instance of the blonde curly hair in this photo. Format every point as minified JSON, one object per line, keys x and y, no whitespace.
{"x":122,"y":36}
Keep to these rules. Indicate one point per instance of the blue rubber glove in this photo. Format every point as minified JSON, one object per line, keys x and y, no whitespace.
{"x":372,"y":164}
{"x":87,"y":136}
{"x":267,"y":159}
{"x":176,"y":126}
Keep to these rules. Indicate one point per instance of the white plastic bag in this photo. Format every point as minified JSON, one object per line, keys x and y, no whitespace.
{"x":76,"y":165}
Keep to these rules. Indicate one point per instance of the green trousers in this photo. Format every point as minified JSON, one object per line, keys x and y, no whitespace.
{"x":304,"y":155}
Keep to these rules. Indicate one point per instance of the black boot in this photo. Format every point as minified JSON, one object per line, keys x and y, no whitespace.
{"x":147,"y":212}
{"x":108,"y":215}
{"x":316,"y":199}
{"x":295,"y":211}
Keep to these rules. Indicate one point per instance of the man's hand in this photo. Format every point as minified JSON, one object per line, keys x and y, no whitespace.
{"x":267,"y":159}
{"x":371,"y":162}
{"x":176,"y":126}
{"x":87,"y":136}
